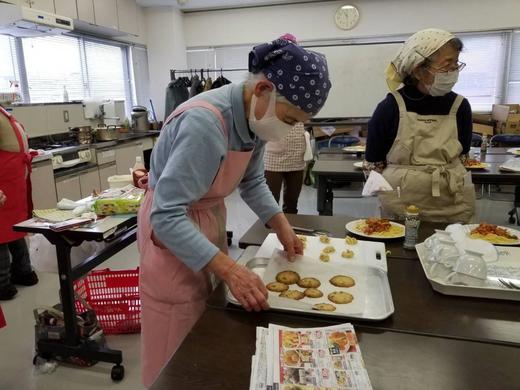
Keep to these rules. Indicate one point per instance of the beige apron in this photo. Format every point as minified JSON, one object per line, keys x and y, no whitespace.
{"x":424,"y":163}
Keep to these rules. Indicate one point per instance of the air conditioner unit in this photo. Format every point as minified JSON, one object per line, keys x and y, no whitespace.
{"x":28,"y":22}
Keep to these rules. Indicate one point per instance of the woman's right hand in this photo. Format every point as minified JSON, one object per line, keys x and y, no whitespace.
{"x":245,"y":285}
{"x":247,"y":288}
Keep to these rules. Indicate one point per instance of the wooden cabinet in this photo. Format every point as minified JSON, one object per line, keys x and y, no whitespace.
{"x":86,"y":11}
{"x":105,"y":12}
{"x":66,"y":8}
{"x":105,"y":171}
{"x":89,"y":181}
{"x":125,"y":156}
{"x":68,"y":187}
{"x":127,"y":16}
{"x":43,"y":186}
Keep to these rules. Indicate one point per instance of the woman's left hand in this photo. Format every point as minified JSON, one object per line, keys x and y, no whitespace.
{"x":286,"y":235}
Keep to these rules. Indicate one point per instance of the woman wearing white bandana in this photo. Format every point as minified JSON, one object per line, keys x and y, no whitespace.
{"x":420,"y":134}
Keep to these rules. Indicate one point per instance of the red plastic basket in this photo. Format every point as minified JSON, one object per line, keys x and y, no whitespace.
{"x":114,"y":296}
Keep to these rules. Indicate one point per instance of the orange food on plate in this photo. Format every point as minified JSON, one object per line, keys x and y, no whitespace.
{"x":376,"y":225}
{"x":471,"y":162}
{"x":485,"y":229}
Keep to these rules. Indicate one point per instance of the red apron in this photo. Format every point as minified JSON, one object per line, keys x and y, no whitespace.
{"x":15,"y":182}
{"x":173,"y":297}
{"x":2,"y":318}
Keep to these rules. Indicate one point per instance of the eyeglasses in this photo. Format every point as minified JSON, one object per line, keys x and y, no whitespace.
{"x":459,"y":65}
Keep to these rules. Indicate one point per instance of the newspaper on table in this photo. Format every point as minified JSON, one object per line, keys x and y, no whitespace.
{"x":326,"y":358}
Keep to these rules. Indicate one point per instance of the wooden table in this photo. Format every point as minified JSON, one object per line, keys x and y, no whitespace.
{"x":340,"y":166}
{"x":118,"y":232}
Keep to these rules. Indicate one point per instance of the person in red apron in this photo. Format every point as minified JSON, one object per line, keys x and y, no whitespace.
{"x":210,"y":146}
{"x":15,"y":160}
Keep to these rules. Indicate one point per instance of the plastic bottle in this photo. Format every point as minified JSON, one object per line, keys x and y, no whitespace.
{"x":65,"y":94}
{"x":138,"y":163}
{"x":411,"y":224}
{"x":484,"y":144}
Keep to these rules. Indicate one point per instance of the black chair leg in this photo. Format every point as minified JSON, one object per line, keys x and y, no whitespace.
{"x":513,"y":213}
{"x":229,"y":238}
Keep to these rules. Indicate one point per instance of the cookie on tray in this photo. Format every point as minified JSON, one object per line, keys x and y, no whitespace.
{"x":313,"y":293}
{"x":324,"y":307}
{"x":342,"y":281}
{"x":350,"y":240}
{"x":309,"y":283}
{"x":293,"y":294}
{"x":324,"y":239}
{"x":340,"y":297}
{"x":277,"y":287}
{"x":301,"y":237}
{"x":325,"y":257}
{"x":347,"y":254}
{"x":329,"y":249}
{"x":287,"y":277}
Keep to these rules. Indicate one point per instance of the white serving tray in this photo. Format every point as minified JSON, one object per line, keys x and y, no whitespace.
{"x":370,"y":259}
{"x":507,"y":266}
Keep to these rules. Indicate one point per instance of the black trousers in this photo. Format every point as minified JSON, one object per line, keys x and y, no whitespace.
{"x":14,"y":258}
{"x":292,"y":186}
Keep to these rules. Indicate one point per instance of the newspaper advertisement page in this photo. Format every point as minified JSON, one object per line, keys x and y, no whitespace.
{"x":260,"y":361}
{"x":317,"y":359}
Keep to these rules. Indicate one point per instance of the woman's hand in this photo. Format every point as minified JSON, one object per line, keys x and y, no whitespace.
{"x":3,"y":198}
{"x":285,"y":233}
{"x":245,"y":285}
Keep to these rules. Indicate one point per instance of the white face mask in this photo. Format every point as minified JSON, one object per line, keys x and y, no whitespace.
{"x":269,"y":127}
{"x":443,"y":83}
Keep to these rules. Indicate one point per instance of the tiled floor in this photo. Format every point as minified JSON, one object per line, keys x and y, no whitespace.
{"x":17,"y":339}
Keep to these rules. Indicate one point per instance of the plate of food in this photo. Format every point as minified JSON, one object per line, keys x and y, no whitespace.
{"x":376,"y":228}
{"x":355,"y":149}
{"x":497,"y":235}
{"x":358,"y":164}
{"x":472,"y":163}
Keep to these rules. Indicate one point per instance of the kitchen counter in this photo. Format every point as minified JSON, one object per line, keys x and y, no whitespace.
{"x":42,"y":157}
{"x":124,"y":137}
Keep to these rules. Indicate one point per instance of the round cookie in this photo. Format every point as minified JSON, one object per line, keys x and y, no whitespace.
{"x":277,"y":287}
{"x":292,"y":294}
{"x":324,"y":307}
{"x":340,"y":297}
{"x":342,"y":281}
{"x":287,"y":277}
{"x":309,"y":283}
{"x":313,"y":293}
{"x":301,"y":237}
{"x":350,"y":240}
{"x":347,"y":254}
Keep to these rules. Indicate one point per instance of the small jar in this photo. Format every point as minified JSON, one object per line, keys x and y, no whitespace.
{"x":411,"y":224}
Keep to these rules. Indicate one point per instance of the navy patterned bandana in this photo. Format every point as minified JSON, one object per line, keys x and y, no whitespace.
{"x":300,"y":75}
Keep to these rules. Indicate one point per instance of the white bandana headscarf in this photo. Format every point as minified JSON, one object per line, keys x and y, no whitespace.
{"x":415,"y":50}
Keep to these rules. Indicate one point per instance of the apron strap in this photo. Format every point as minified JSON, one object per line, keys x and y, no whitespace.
{"x":200,"y":104}
{"x":400,"y":103}
{"x":456,"y":104}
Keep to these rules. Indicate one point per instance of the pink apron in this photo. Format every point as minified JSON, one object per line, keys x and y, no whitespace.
{"x":173,"y":297}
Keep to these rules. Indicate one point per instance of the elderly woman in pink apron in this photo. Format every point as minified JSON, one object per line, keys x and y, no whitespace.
{"x":419,"y":136}
{"x":209,"y":146}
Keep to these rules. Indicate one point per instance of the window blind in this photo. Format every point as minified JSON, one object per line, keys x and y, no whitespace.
{"x":513,"y":82}
{"x":482,"y":78}
{"x":8,"y":64}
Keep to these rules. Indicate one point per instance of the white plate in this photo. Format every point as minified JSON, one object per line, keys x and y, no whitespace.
{"x":512,"y":231}
{"x":352,"y":227}
{"x":359,"y":164}
{"x":515,"y":151}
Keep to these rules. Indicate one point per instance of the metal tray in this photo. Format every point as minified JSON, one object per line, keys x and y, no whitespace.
{"x":379,"y":304}
{"x":492,"y":289}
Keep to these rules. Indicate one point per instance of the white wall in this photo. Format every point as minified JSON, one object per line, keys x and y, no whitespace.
{"x":166,"y":50}
{"x":314,"y":21}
